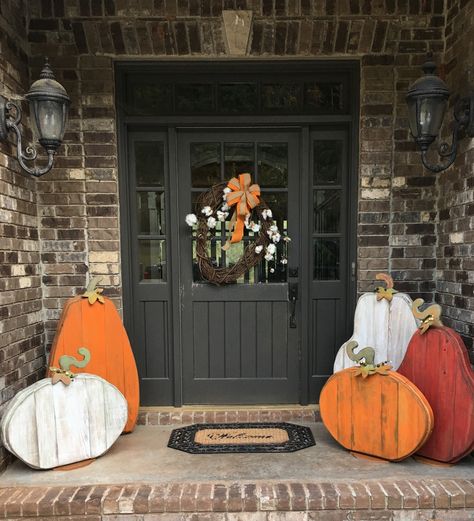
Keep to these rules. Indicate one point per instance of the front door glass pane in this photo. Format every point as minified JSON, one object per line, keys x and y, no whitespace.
{"x":152,"y":260}
{"x":327,"y":160}
{"x":269,"y":168}
{"x":205,"y":164}
{"x":326,"y":259}
{"x":151,"y":213}
{"x":272,"y":165}
{"x":239,"y":159}
{"x":149,"y":163}
{"x":327,"y":210}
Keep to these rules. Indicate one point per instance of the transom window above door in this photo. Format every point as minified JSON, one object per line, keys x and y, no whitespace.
{"x":200,"y":94}
{"x":267,"y":163}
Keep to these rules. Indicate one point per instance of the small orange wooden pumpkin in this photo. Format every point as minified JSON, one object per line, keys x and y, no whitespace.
{"x":372,"y":410}
{"x":92,"y":320}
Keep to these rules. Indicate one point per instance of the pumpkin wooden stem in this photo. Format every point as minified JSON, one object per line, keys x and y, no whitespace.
{"x":93,"y":293}
{"x":430,"y":317}
{"x":66,"y":361}
{"x":368,"y":353}
{"x":388,"y":292}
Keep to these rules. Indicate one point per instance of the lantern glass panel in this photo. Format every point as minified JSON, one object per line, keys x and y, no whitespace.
{"x":50,"y":119}
{"x":431,"y":114}
{"x":413,"y":116}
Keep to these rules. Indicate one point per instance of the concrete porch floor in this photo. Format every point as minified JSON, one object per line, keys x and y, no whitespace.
{"x":140,"y":479}
{"x":143,"y":457}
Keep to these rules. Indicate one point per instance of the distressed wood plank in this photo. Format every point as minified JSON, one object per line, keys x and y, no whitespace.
{"x":69,"y":425}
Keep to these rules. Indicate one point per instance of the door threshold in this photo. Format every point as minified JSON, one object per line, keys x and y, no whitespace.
{"x":167,"y":415}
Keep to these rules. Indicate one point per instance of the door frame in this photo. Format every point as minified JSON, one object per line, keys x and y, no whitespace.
{"x":170,"y":124}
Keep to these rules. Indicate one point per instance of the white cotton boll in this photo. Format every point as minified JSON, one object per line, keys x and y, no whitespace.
{"x":268,"y":257}
{"x":225,"y":207}
{"x":221,"y":216}
{"x":286,"y":238}
{"x":191,"y":219}
{"x":272,"y":270}
{"x":227,"y":190}
{"x":284,"y":261}
{"x":265,"y":214}
{"x":274,"y":228}
{"x":255,"y":227}
{"x":276,"y":237}
{"x":271,"y":248}
{"x":207,"y":211}
{"x":269,"y":213}
{"x":258,"y":249}
{"x":211,"y":222}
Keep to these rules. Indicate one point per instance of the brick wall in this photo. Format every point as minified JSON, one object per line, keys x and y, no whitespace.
{"x":455,"y":254}
{"x":21,"y":326}
{"x":76,"y":205}
{"x":79,"y":200}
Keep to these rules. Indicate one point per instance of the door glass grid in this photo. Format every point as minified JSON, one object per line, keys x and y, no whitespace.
{"x":267,"y":163}
{"x":150,"y":207}
{"x":327,"y":209}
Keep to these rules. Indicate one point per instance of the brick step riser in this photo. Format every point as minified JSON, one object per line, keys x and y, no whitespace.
{"x":184,"y":416}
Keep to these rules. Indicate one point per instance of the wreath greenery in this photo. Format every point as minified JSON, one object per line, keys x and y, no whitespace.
{"x":210,"y":203}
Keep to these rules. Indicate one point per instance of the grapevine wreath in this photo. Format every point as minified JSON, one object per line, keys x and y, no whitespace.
{"x":239,"y":201}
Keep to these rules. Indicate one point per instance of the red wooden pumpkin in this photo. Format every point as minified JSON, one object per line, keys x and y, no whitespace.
{"x":92,"y":321}
{"x":438,"y":364}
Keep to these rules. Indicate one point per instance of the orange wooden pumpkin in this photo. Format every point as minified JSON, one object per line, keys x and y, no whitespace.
{"x":375,"y":411}
{"x":92,"y":321}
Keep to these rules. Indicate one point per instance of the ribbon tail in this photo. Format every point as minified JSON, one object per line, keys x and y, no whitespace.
{"x":231,"y":226}
{"x":238,"y":230}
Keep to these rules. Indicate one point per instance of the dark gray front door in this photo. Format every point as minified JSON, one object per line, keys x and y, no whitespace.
{"x":237,"y":343}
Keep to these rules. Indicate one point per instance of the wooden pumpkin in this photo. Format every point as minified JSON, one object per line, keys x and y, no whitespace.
{"x":382,"y":319}
{"x":438,"y":364}
{"x":374,"y":411}
{"x":92,"y":320}
{"x":48,"y":425}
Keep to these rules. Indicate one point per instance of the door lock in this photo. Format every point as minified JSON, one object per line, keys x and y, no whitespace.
{"x":293,"y":297}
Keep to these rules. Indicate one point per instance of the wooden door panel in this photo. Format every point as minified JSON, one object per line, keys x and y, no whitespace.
{"x":240,"y":340}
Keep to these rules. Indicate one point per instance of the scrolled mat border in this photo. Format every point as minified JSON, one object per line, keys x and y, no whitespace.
{"x":183,"y":439}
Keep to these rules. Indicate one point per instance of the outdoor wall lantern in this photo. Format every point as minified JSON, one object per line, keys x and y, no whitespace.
{"x":49,"y":105}
{"x":427,"y":99}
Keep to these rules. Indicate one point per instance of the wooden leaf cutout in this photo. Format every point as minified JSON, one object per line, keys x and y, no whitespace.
{"x":93,"y":293}
{"x":60,"y":377}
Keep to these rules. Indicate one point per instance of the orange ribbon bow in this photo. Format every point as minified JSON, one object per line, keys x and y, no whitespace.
{"x":244,"y":197}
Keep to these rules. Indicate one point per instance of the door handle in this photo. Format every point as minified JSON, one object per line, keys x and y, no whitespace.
{"x":292,"y":297}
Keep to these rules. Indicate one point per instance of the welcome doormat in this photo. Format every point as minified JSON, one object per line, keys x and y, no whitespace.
{"x":218,"y":438}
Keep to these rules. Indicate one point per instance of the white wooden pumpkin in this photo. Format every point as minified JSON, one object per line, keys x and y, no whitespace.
{"x":48,"y":425}
{"x":385,"y":324}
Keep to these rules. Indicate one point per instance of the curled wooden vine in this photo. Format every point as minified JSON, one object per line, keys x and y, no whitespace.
{"x":430,"y":317}
{"x":387,"y":292}
{"x":249,"y":259}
